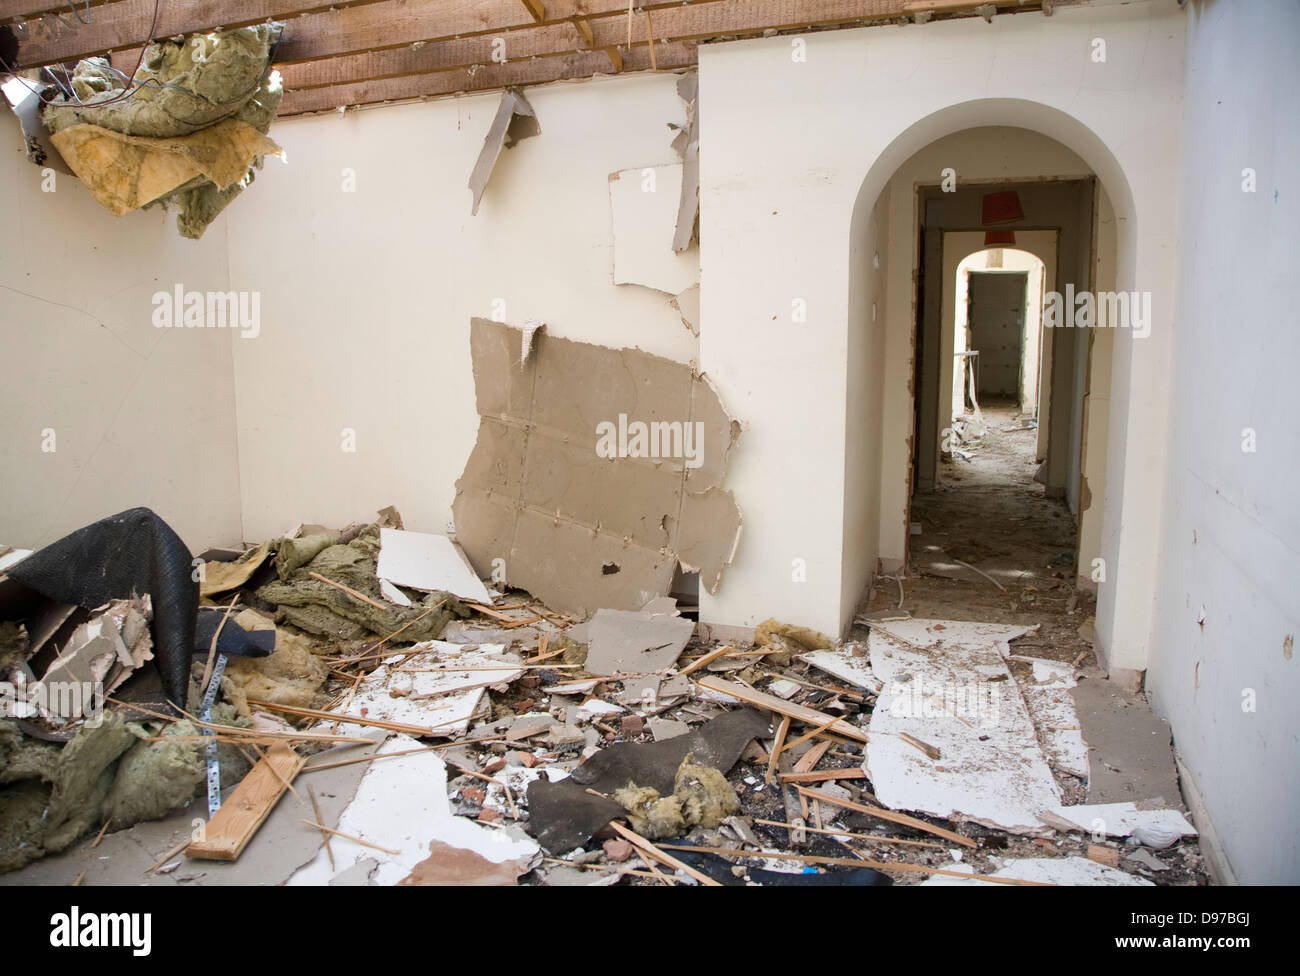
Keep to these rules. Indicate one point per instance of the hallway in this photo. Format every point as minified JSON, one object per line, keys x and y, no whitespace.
{"x":987,"y":518}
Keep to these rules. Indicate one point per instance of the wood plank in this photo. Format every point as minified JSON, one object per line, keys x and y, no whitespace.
{"x":227,"y":833}
{"x":821,"y":775}
{"x":707,"y":659}
{"x":127,"y":24}
{"x":695,"y":22}
{"x":20,"y":10}
{"x":782,"y":730}
{"x":537,"y":72}
{"x":810,"y":758}
{"x":881,"y":813}
{"x":536,"y":8}
{"x":646,"y":847}
{"x":394,"y":25}
{"x":415,"y":730}
{"x":809,"y":716}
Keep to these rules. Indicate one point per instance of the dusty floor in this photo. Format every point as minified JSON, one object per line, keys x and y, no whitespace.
{"x":989,"y":513}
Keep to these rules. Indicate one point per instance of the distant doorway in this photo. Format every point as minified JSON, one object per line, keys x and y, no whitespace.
{"x":996,"y":324}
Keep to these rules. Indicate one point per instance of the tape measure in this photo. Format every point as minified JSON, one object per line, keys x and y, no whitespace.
{"x":210,"y":747}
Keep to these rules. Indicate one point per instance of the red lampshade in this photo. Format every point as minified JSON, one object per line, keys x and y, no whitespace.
{"x":999,"y":238}
{"x":1002,"y":207}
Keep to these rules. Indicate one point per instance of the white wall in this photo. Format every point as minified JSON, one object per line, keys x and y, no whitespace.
{"x":140,"y":415}
{"x":1232,"y":527}
{"x":368,"y":295}
{"x":864,"y":389}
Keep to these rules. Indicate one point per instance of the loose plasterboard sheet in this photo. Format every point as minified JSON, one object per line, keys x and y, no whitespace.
{"x":1051,"y":706}
{"x":1121,"y":819}
{"x":583,"y":481}
{"x":1077,"y":871}
{"x":946,"y":683}
{"x":401,"y":804}
{"x":645,"y":203}
{"x":846,"y":666}
{"x":441,"y":699}
{"x":635,"y":642}
{"x":423,"y":561}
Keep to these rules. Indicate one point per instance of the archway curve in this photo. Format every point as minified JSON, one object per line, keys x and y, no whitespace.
{"x":1015,"y":113}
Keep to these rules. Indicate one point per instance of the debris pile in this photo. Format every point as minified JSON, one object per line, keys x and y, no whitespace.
{"x":374,"y":713}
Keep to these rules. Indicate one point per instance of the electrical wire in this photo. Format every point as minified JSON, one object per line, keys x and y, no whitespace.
{"x":131,"y":87}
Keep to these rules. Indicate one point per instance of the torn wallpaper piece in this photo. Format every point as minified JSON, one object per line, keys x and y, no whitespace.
{"x":595,"y":472}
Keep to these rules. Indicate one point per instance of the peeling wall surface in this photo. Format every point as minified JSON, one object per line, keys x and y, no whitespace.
{"x":368,"y":292}
{"x":1229,"y":685}
{"x":103,"y":411}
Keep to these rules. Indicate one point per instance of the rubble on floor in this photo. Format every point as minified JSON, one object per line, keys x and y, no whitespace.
{"x":496,"y":741}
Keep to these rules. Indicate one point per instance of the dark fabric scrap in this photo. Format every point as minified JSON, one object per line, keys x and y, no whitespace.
{"x":564,"y":816}
{"x":717,"y":743}
{"x":132,"y":553}
{"x":234,"y":641}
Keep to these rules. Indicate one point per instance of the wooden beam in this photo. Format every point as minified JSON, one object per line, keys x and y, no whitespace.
{"x":882,"y":814}
{"x":822,"y":775}
{"x":695,"y":22}
{"x":390,"y":25}
{"x":615,"y":57}
{"x":540,"y":71}
{"x":20,"y":10}
{"x":127,"y":23}
{"x":233,"y":826}
{"x":809,"y":716}
{"x":584,"y":31}
{"x":537,"y":9}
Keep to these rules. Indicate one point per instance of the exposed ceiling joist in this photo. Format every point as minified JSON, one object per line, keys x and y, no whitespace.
{"x":127,"y":23}
{"x":696,"y":22}
{"x":484,"y":78}
{"x":355,"y":52}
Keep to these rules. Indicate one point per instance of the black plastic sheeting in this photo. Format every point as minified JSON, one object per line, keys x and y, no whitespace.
{"x":129,"y":554}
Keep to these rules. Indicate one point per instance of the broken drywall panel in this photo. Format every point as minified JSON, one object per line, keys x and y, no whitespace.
{"x":952,"y":634}
{"x":643,"y":202}
{"x":687,"y":145}
{"x":1072,"y":871}
{"x":515,"y":120}
{"x":427,"y":562}
{"x":845,"y":665}
{"x":1124,"y":820}
{"x":438,"y":688}
{"x":947,"y":684}
{"x":1047,"y":695}
{"x":26,"y":103}
{"x":627,"y":642}
{"x":401,"y":805}
{"x":595,"y":472}
{"x":687,"y":304}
